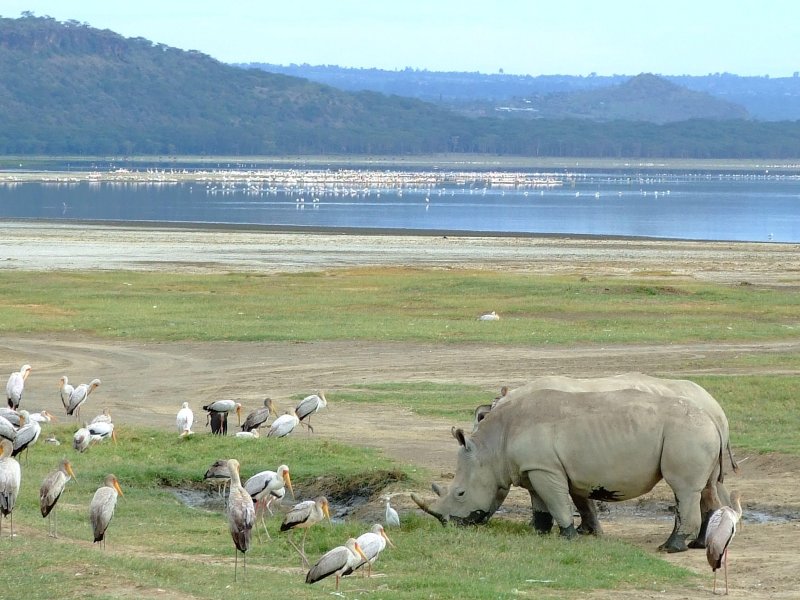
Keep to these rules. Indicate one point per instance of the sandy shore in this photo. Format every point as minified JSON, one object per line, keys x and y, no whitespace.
{"x":74,"y":246}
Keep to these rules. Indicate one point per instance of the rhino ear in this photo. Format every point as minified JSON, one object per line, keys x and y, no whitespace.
{"x":439,"y":490}
{"x":459,"y":434}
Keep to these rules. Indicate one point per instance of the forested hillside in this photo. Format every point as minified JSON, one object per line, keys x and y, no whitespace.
{"x":68,"y":88}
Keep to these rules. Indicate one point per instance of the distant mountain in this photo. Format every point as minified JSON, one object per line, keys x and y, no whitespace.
{"x":642,"y":98}
{"x":764,"y":98}
{"x":70,"y":89}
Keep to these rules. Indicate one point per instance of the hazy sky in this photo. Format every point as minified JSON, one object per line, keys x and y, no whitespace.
{"x":535,"y":37}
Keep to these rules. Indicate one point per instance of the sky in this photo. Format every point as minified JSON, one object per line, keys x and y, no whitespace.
{"x":523,"y":37}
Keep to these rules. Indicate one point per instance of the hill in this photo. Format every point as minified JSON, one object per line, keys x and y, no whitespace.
{"x":645,"y":97}
{"x":764,"y":98}
{"x":68,"y":88}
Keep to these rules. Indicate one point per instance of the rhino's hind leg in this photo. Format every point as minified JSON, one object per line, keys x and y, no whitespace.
{"x":590,"y":524}
{"x":687,"y":521}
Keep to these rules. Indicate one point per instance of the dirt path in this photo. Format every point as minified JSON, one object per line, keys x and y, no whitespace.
{"x":146,"y":382}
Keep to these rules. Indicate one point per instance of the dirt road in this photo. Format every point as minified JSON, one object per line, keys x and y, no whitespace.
{"x":146,"y":382}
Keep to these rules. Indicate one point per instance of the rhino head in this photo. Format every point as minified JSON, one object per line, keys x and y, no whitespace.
{"x":477,"y":490}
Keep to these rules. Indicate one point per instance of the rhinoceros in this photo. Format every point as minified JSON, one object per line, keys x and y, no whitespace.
{"x":639,"y":381}
{"x":584,"y":446}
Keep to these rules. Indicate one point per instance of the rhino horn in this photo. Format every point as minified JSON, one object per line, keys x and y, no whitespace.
{"x":424,"y":505}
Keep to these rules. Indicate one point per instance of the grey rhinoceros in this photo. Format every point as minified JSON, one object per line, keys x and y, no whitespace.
{"x":584,"y":446}
{"x":689,"y":390}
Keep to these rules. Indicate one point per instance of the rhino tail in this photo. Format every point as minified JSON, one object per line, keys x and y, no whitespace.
{"x":734,"y":464}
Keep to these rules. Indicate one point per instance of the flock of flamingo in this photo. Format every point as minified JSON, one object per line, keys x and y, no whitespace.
{"x":19,"y":430}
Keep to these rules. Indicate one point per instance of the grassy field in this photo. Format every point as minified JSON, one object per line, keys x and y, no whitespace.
{"x":155,"y":542}
{"x":159,"y":547}
{"x":393,"y":304}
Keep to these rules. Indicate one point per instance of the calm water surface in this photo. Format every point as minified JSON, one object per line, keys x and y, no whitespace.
{"x":680,"y":205}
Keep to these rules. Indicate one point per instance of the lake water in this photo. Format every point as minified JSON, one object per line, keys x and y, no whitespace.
{"x":681,"y":205}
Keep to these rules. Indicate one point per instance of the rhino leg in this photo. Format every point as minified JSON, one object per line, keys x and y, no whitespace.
{"x":542,"y":520}
{"x":713,"y":496}
{"x":687,"y":521}
{"x":552,"y":489}
{"x":590,"y":524}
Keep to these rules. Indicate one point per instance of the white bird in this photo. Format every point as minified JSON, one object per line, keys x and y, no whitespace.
{"x":241,"y":516}
{"x":310,"y":405}
{"x":104,"y":417}
{"x":283,"y":425}
{"x":336,"y":562}
{"x":373,"y":543}
{"x":42,"y":417}
{"x":101,"y":510}
{"x":391,"y":518}
{"x":81,"y":439}
{"x":65,"y":390}
{"x":259,"y":416}
{"x":16,"y":385}
{"x":218,"y":475}
{"x":79,"y":396}
{"x":248,"y":435}
{"x":303,"y":516}
{"x":490,"y":316}
{"x":218,"y":415}
{"x":185,"y":419}
{"x":10,"y":476}
{"x":719,"y":534}
{"x":102,"y":430}
{"x":11,"y":415}
{"x":50,"y":491}
{"x":27,"y":435}
{"x":265,"y":486}
{"x":7,"y":430}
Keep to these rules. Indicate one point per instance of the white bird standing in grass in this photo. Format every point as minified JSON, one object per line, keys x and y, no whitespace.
{"x":719,"y":534}
{"x":372,"y":543}
{"x":283,"y":425}
{"x":27,"y":435}
{"x":10,"y":477}
{"x":102,"y":430}
{"x":391,"y":518}
{"x":16,"y":385}
{"x":338,"y":561}
{"x":309,"y":405}
{"x":303,"y":516}
{"x":65,"y":390}
{"x":241,"y":516}
{"x":101,"y":510}
{"x":79,"y":396}
{"x":265,"y":486}
{"x":50,"y":492}
{"x":185,"y":419}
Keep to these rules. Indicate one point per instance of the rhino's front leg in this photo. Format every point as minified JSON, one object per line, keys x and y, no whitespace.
{"x":542,"y":520}
{"x":553,"y":490}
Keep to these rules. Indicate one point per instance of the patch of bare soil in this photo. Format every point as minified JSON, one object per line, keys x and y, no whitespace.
{"x":146,"y":382}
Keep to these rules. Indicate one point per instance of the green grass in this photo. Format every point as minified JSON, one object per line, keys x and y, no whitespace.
{"x":762,"y":410}
{"x":155,"y":542}
{"x":392,"y":304}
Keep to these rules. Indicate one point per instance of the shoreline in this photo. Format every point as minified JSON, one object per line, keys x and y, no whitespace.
{"x":77,"y":246}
